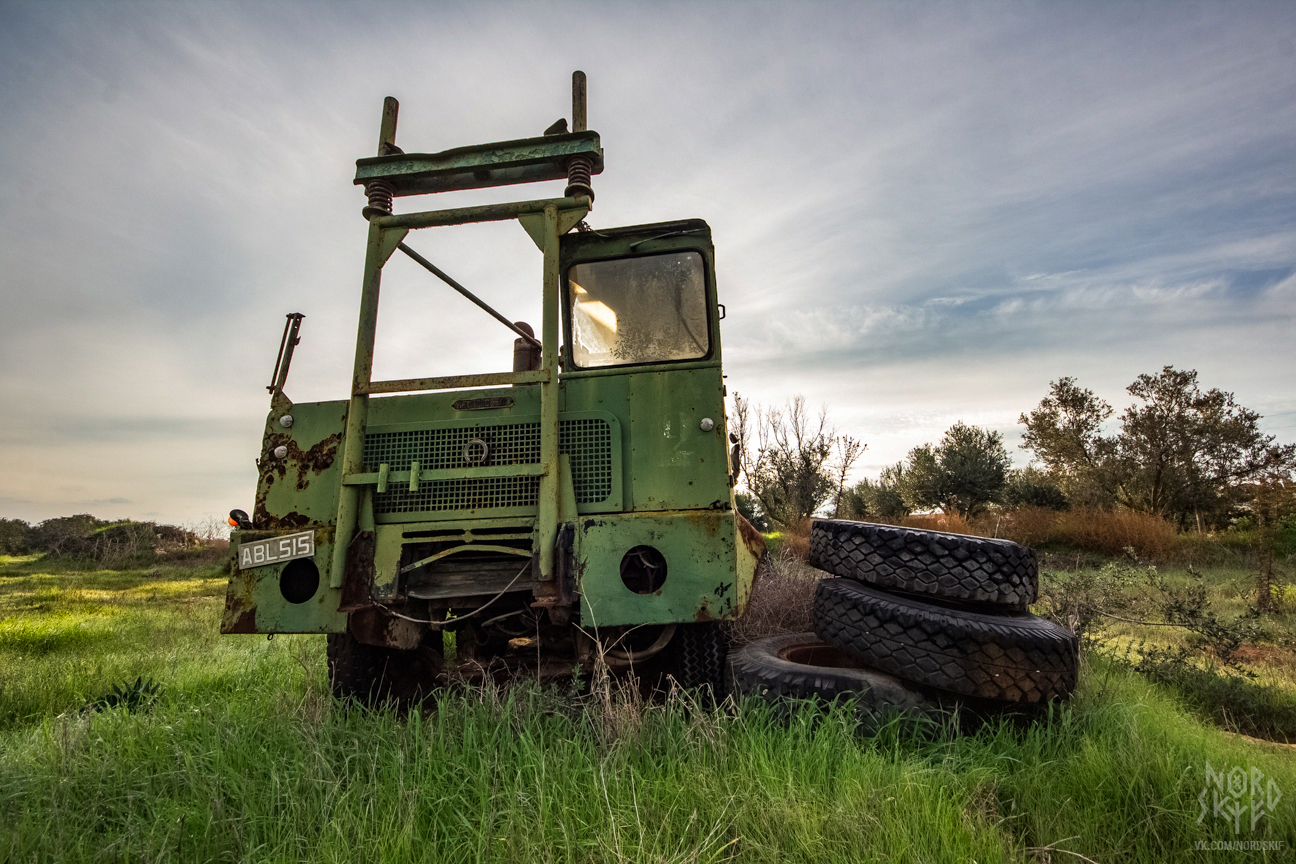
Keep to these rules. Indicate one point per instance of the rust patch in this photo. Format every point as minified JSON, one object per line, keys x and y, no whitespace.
{"x":240,"y":611}
{"x":260,"y":512}
{"x":263,"y":519}
{"x":373,"y":626}
{"x":358,"y":578}
{"x":313,"y":462}
{"x":318,"y":459}
{"x":751,"y":538}
{"x":245,"y":623}
{"x":305,"y":463}
{"x":238,"y":618}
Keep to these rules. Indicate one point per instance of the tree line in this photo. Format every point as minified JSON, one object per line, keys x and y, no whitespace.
{"x":101,"y":540}
{"x":1191,"y":456}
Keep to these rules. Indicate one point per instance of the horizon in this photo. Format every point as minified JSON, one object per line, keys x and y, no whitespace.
{"x":922,"y":214}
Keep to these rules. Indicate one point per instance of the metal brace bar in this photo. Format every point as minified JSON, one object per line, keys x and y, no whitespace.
{"x":289,"y":341}
{"x":471,"y":547}
{"x":384,"y":477}
{"x":481,"y":213}
{"x":444,"y":277}
{"x":457,"y":382}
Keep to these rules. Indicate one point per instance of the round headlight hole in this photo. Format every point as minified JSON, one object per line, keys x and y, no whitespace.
{"x":643,"y":570}
{"x":299,"y":580}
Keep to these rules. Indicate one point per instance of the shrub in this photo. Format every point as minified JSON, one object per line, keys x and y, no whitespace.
{"x":949,"y":522}
{"x":66,"y":535}
{"x":113,"y":545}
{"x":1031,"y":487}
{"x":749,"y":509}
{"x":1111,"y":533}
{"x":876,"y":500}
{"x":15,"y":537}
{"x":1081,"y":601}
{"x":1106,"y":532}
{"x":1029,"y":526}
{"x":796,"y":540}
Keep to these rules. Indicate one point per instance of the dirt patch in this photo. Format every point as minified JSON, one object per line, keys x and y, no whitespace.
{"x":1266,"y":655}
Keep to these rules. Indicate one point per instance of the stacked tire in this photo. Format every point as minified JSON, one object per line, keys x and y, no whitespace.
{"x":938,"y":614}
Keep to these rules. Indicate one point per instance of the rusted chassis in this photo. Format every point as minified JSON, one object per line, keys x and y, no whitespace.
{"x":508,"y":623}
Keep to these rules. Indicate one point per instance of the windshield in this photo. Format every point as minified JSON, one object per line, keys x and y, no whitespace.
{"x":638,"y":310}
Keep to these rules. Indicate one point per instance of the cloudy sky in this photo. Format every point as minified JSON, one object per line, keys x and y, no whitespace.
{"x":923,"y":212}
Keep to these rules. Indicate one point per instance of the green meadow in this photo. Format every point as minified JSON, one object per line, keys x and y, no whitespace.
{"x":241,"y":755}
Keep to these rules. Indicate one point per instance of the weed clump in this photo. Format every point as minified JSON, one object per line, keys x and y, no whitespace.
{"x":782,"y":599}
{"x":132,"y":695}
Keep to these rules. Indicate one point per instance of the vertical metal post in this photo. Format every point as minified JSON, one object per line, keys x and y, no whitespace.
{"x":550,"y":488}
{"x":358,"y":411}
{"x":387,"y":129}
{"x":578,"y":101}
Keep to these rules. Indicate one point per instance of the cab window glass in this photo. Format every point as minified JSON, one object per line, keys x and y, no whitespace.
{"x":649,"y":309}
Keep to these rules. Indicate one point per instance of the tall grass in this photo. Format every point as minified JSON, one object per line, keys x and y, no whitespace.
{"x":782,"y":599}
{"x":244,"y":756}
{"x":1105,"y":532}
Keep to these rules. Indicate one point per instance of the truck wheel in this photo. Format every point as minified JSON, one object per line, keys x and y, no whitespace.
{"x":698,"y":655}
{"x":950,"y":566}
{"x":373,"y":675}
{"x":1012,"y":657}
{"x":780,"y":669}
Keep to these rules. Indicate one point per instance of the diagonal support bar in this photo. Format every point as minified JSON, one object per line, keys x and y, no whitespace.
{"x":444,"y":277}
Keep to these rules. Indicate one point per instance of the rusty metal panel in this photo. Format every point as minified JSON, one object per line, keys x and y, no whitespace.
{"x":705,"y":580}
{"x":263,"y":599}
{"x":299,"y":466}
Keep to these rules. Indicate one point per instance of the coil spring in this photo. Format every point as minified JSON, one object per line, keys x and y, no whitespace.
{"x":380,"y":194}
{"x":579,"y":169}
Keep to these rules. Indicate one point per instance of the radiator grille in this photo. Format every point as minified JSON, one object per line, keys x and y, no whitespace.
{"x":588,"y":444}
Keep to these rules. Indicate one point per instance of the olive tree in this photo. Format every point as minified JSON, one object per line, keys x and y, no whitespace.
{"x":1180,"y":452}
{"x":964,"y":473}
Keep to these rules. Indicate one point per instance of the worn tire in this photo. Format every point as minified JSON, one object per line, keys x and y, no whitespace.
{"x":781,"y":669}
{"x":1012,"y":657}
{"x":698,"y":654}
{"x":372,"y":675}
{"x":951,"y":566}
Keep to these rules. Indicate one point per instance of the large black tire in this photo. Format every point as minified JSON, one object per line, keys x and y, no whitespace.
{"x":781,"y":669}
{"x":951,"y":566}
{"x":1012,"y":657}
{"x":373,"y":675}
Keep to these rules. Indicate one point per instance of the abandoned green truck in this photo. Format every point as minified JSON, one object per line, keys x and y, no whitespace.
{"x":579,"y":509}
{"x":581,"y":503}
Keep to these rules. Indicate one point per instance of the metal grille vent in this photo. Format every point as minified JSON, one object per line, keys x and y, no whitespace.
{"x":588,"y":443}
